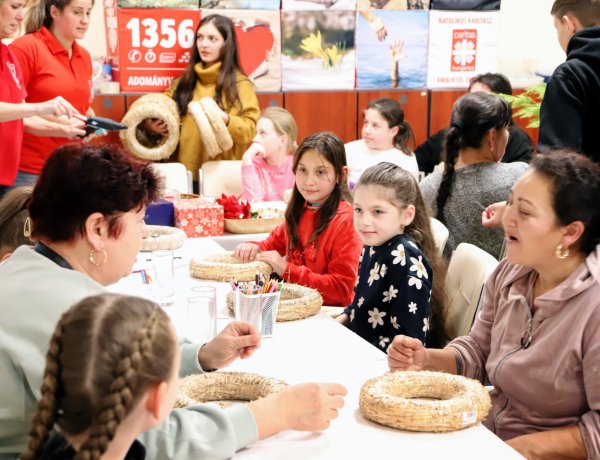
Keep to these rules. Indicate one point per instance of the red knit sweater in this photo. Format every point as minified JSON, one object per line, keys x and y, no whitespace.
{"x":329,"y":265}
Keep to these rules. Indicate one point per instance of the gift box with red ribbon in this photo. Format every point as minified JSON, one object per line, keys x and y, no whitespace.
{"x":197,"y":217}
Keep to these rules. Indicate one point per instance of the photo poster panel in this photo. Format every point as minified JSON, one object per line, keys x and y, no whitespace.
{"x":394,"y":5}
{"x":193,"y":4}
{"x":462,"y":45}
{"x":241,"y":4}
{"x":258,"y":34}
{"x":400,"y":59}
{"x":318,"y":50}
{"x":318,"y":5}
{"x":465,"y":5}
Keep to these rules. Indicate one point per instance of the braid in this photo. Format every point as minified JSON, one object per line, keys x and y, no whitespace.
{"x":47,"y":410}
{"x":451,"y":148}
{"x":115,"y":407}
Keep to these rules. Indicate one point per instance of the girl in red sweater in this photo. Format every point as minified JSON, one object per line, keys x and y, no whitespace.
{"x":317,"y":245}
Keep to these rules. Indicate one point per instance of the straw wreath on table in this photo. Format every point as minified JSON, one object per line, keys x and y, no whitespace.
{"x":222,"y":267}
{"x":163,"y":237}
{"x":295,"y":302}
{"x":225,"y":386}
{"x":424,"y":401}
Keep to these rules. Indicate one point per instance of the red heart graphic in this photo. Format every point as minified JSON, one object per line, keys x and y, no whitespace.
{"x":254,"y":44}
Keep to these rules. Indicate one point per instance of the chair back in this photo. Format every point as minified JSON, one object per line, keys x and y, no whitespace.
{"x":440,"y":235}
{"x":175,"y":175}
{"x":469,"y":268}
{"x":217,"y":177}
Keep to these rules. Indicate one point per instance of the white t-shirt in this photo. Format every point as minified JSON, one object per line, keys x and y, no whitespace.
{"x":359,"y":158}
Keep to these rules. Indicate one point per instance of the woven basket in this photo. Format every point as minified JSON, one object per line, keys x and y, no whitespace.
{"x":220,"y":386}
{"x":252,"y":225}
{"x":213,"y":113}
{"x":424,"y":401}
{"x":224,"y":266}
{"x":151,"y":106}
{"x":163,"y":237}
{"x":295,"y":302}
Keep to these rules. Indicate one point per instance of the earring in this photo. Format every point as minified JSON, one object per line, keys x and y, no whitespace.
{"x":93,"y":260}
{"x":402,"y":227}
{"x":561,"y":252}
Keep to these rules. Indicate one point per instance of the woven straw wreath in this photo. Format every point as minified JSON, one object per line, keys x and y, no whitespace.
{"x":424,"y":401}
{"x":213,"y":113}
{"x":295,"y":302}
{"x":225,"y":386}
{"x":211,"y":145}
{"x":213,"y":132}
{"x":163,"y":237}
{"x":155,"y":105}
{"x":222,"y":267}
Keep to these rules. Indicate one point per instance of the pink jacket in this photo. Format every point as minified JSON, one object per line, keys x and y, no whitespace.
{"x":545,"y":368}
{"x":262,"y":182}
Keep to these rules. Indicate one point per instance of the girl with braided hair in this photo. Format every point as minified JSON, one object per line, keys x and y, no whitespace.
{"x":111,"y":373}
{"x":473,"y":178}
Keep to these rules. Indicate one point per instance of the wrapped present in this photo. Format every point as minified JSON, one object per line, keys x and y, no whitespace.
{"x":160,"y":213}
{"x":197,"y":217}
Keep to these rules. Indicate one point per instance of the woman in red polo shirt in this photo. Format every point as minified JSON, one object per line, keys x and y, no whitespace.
{"x":12,"y":108}
{"x":53,"y":64}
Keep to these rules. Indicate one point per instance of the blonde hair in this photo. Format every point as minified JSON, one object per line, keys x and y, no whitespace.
{"x":284,"y":125}
{"x":15,"y":225}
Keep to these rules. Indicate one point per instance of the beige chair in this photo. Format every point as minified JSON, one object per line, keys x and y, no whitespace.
{"x":468,"y":270}
{"x":176,"y":176}
{"x":217,"y":177}
{"x":440,"y":235}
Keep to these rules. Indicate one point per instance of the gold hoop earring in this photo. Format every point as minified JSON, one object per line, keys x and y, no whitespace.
{"x":27,"y":228}
{"x":93,"y":260}
{"x":561,"y":252}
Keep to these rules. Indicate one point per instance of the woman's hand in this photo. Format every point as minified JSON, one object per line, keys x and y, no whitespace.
{"x":56,"y":107}
{"x":254,"y":150}
{"x":246,"y":252}
{"x":304,"y":407}
{"x":491,"y":217}
{"x":274,"y":260}
{"x":237,"y":340}
{"x":406,"y":354}
{"x":156,"y":126}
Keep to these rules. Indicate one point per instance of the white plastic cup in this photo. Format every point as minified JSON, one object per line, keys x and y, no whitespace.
{"x":201,"y":318}
{"x":163,"y":284}
{"x":247,"y":305}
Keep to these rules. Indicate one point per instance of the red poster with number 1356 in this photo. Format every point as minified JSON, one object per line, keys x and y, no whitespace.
{"x":154,"y":46}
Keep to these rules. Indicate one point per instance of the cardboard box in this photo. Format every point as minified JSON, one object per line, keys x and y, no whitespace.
{"x":198,"y":218}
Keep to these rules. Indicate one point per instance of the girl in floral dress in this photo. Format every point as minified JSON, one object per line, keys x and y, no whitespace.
{"x":400,"y":277}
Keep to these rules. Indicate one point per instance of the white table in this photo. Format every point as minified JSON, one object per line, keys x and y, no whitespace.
{"x":318,"y":349}
{"x":229,"y":241}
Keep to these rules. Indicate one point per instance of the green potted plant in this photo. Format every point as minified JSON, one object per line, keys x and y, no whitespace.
{"x":527,"y":104}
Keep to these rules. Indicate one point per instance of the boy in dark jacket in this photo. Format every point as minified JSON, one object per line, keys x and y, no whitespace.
{"x":569,"y":114}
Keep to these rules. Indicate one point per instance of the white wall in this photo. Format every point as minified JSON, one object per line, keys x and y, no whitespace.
{"x":527,"y":42}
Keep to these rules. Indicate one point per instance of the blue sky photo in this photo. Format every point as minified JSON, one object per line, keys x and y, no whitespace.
{"x":374,"y":57}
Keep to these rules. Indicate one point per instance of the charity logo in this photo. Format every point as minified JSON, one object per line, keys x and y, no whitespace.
{"x":135,"y":56}
{"x":13,"y":72}
{"x":167,"y":58}
{"x":185,"y":58}
{"x":464,"y":50}
{"x":150,"y":56}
